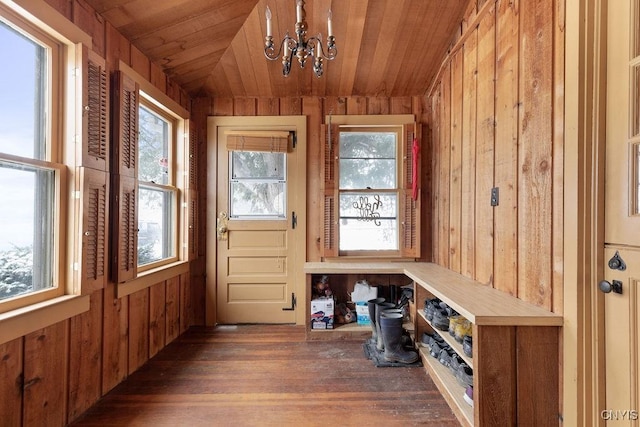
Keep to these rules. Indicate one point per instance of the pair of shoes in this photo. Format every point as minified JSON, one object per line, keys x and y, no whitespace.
{"x":445,"y":355}
{"x":425,"y":339}
{"x":430,"y":306}
{"x":436,"y":340}
{"x":468,"y":395}
{"x":454,"y":321}
{"x":463,"y":328}
{"x":464,"y":375}
{"x":440,"y":320}
{"x":454,"y":363}
{"x":467,"y":345}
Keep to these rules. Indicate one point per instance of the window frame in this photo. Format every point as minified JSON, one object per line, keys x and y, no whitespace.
{"x":170,"y":188}
{"x":409,"y":209}
{"x":67,"y":88}
{"x":57,"y":56}
{"x":126,"y":273}
{"x":398,"y":131}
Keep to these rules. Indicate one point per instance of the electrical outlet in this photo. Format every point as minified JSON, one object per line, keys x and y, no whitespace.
{"x":495,"y":196}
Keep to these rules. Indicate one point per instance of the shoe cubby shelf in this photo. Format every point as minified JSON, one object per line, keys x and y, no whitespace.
{"x":515,"y":344}
{"x":448,"y":386}
{"x":457,"y":347}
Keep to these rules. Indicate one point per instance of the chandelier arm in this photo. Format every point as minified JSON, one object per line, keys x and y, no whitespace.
{"x":270,"y":51}
{"x":318,"y":48}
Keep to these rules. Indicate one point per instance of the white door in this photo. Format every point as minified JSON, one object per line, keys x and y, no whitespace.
{"x":259,"y":229}
{"x":622,"y":216}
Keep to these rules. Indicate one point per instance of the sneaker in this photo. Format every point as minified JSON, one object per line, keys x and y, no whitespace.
{"x":467,"y":345}
{"x":430,"y":305}
{"x":436,"y":340}
{"x":445,"y":355}
{"x":462,"y":329}
{"x":465,"y":375}
{"x":435,"y":350}
{"x":454,"y":363}
{"x":424,"y":341}
{"x":454,"y":321}
{"x":440,"y":320}
{"x":468,"y":395}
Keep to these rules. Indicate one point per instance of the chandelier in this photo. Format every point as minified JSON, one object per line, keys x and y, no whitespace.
{"x":300,"y":46}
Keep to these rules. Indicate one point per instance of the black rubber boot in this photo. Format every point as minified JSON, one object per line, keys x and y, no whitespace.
{"x":379,"y":308}
{"x":391,"y":331}
{"x":371,"y":304}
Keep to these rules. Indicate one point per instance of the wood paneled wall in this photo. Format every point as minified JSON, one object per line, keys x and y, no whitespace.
{"x":316,"y":109}
{"x":497,"y":121}
{"x":53,"y":375}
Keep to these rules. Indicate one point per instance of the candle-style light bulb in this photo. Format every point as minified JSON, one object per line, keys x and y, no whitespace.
{"x":267,"y":13}
{"x":298,"y":11}
{"x":329,"y":23}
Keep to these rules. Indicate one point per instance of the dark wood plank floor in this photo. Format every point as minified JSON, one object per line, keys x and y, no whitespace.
{"x":268,"y":376}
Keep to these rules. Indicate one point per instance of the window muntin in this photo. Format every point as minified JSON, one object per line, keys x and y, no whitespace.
{"x":157,"y":194}
{"x":368,"y":189}
{"x":31,"y":177}
{"x":257,"y":185}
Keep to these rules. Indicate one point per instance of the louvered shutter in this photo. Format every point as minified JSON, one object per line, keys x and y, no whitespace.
{"x":193,"y":156}
{"x":330,"y":242}
{"x":410,"y":208}
{"x":94,"y":192}
{"x":125,"y":226}
{"x":192,"y":193}
{"x":192,"y":225}
{"x":95,"y":103}
{"x":125,"y":102}
{"x":125,"y":125}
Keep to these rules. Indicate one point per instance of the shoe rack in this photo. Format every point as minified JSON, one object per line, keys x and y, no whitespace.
{"x":515,"y":357}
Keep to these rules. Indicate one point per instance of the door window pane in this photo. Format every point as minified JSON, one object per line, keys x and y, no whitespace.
{"x":26,"y":229}
{"x":258,"y":187}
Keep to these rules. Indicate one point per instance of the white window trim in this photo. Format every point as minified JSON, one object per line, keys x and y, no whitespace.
{"x":24,"y":320}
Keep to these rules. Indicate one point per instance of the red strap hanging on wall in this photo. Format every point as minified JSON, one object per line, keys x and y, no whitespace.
{"x":414,"y":178}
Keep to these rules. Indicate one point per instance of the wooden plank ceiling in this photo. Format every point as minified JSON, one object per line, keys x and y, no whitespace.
{"x":215,"y":47}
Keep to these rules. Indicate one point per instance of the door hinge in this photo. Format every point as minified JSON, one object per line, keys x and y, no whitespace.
{"x":294,"y":220}
{"x":293,"y":303}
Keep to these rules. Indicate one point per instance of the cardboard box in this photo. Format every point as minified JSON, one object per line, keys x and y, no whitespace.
{"x":362,"y":313}
{"x":322,"y":312}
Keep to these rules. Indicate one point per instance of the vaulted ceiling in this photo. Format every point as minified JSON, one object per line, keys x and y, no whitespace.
{"x":216,"y":47}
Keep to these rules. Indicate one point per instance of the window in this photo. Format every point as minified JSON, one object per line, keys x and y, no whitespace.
{"x":50,"y":198}
{"x":258,"y":174}
{"x":368,"y":188}
{"x":157,"y":227}
{"x":31,"y":172}
{"x":370,"y":208}
{"x":150,"y":177}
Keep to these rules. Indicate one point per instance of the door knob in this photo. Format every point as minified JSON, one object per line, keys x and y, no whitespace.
{"x":222,"y":228}
{"x":606,"y":286}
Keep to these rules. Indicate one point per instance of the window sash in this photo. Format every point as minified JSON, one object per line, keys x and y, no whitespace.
{"x":51,"y":230}
{"x":159,"y":233}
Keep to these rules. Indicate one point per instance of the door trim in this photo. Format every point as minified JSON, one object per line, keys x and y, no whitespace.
{"x":585,"y":135}
{"x":295,"y":123}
